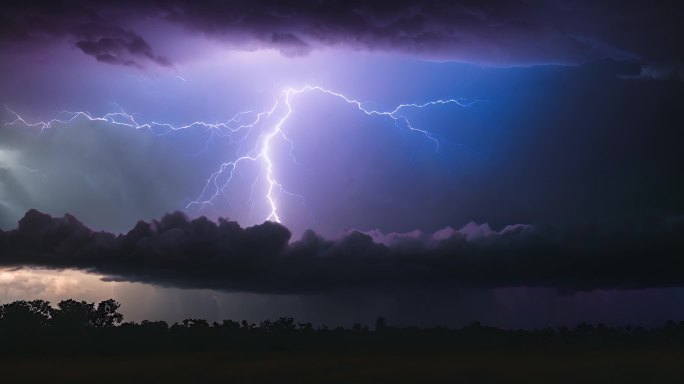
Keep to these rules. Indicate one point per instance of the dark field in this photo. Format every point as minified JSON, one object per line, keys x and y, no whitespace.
{"x":481,"y":365}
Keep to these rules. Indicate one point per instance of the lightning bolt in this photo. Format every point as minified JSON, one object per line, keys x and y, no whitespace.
{"x":257,"y":122}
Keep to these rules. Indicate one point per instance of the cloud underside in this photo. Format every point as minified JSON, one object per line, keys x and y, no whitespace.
{"x":176,"y":251}
{"x":495,"y":33}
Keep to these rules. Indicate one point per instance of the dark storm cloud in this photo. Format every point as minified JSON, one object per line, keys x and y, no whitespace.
{"x":203,"y":254}
{"x":490,"y":32}
{"x":114,"y":45}
{"x":32,"y":25}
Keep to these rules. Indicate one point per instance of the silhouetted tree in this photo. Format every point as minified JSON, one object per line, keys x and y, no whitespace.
{"x":246,"y":326}
{"x":74,"y":314}
{"x":25,"y":315}
{"x":229,"y":325}
{"x":195,"y":323}
{"x":283,"y":324}
{"x":380,"y":324}
{"x":305,"y":327}
{"x":79,"y":326}
{"x":106,"y":314}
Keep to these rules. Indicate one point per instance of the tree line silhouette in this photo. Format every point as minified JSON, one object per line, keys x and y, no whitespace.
{"x":81,"y":327}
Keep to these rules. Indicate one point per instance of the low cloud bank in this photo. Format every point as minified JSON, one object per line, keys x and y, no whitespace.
{"x":199,"y":253}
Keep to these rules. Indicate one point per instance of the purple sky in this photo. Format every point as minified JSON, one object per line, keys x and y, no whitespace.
{"x":560,"y":119}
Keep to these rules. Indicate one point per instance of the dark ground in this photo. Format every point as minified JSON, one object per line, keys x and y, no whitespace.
{"x":398,"y":365}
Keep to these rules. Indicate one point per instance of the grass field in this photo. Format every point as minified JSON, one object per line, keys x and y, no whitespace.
{"x":519,"y":365}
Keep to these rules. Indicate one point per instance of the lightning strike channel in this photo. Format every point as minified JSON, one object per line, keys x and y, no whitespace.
{"x":257,"y":123}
